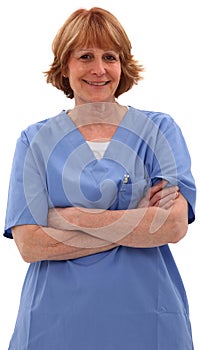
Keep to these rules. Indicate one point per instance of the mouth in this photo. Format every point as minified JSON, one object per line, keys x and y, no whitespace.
{"x":96,"y":83}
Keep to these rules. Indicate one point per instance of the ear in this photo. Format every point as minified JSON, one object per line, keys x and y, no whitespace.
{"x":65,"y":73}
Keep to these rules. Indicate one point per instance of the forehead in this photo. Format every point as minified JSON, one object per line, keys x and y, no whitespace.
{"x":94,"y":39}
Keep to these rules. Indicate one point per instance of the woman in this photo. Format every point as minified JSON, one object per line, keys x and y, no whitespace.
{"x":96,"y":194}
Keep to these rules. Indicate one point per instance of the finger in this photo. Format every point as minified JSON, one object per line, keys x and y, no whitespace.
{"x":157,"y":188}
{"x":152,"y":191}
{"x":162,"y":194}
{"x":168,"y":205}
{"x":167,"y":201}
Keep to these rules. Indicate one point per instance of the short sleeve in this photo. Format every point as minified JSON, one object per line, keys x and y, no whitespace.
{"x":172,"y":161}
{"x":27,"y":195}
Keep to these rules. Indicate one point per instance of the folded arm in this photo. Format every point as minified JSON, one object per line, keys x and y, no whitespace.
{"x":161,"y":218}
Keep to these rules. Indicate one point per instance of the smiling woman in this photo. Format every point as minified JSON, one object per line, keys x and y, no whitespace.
{"x":93,"y":75}
{"x":95,"y":219}
{"x":85,"y":30}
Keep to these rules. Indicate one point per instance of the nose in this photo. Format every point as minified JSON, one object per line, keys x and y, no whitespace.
{"x":98,"y":66}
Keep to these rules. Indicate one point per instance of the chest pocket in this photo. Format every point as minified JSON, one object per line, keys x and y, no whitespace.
{"x":131,"y":193}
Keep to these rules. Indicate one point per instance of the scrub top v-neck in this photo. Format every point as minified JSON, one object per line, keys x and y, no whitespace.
{"x":124,"y":298}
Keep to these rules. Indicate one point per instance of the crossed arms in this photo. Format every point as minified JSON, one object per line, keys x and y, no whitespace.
{"x":160,"y":218}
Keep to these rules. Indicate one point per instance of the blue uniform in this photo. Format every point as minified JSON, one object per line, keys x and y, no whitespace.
{"x":122,"y":299}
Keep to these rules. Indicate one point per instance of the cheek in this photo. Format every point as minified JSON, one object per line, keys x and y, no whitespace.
{"x":117,"y":71}
{"x":117,"y":76}
{"x":75,"y":72}
{"x":73,"y":75}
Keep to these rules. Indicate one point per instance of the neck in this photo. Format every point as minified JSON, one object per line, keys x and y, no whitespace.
{"x":98,"y":121}
{"x":97,"y":113}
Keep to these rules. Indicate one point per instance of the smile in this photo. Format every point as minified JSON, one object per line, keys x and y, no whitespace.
{"x":94,"y":83}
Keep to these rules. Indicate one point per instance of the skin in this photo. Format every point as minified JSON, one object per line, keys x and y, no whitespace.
{"x":161,"y":216}
{"x":94,"y":75}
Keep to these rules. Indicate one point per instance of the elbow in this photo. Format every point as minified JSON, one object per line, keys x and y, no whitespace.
{"x":179,"y":229}
{"x":179,"y":235}
{"x":26,"y":257}
{"x":25,"y":252}
{"x":24,"y":244}
{"x":179,"y":220}
{"x":28,"y":253}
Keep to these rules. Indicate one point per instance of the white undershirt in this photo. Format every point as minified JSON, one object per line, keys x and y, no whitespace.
{"x":98,"y":148}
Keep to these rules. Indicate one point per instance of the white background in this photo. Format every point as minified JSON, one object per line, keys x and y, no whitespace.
{"x":165,"y":36}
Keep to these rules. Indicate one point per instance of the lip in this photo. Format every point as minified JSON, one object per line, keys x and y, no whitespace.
{"x":96,"y":83}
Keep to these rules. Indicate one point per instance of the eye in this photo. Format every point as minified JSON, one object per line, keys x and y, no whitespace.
{"x":111,"y":57}
{"x":85,"y":57}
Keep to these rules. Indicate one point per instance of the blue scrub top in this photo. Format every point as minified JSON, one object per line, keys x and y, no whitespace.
{"x":125,"y":298}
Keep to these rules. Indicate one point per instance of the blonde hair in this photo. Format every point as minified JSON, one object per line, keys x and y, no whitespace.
{"x":92,"y":28}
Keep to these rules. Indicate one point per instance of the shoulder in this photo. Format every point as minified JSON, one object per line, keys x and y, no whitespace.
{"x":156,"y":116}
{"x":42,"y":127}
{"x":154,"y":119}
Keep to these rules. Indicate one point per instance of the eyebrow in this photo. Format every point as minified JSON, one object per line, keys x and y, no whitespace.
{"x":92,"y":49}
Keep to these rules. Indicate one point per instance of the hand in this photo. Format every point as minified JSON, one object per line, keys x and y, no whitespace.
{"x":160,"y":196}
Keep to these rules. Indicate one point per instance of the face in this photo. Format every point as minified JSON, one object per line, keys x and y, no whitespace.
{"x":94,"y":75}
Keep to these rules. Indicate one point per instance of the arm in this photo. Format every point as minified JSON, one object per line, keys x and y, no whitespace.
{"x":142,"y":227}
{"x":160,"y":226}
{"x":80,"y":232}
{"x":37,"y":243}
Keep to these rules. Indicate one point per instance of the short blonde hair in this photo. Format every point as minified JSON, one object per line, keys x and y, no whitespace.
{"x":92,"y":28}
